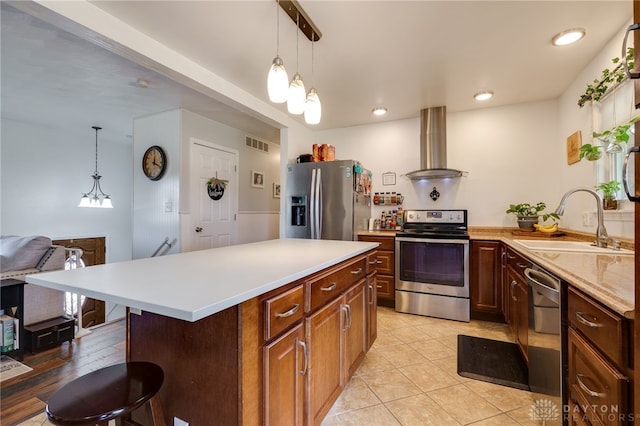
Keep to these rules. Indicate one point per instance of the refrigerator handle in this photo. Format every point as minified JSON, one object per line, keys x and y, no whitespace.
{"x":312,"y":205}
{"x":319,"y":205}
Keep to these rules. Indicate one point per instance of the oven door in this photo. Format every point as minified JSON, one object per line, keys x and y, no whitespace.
{"x":433,"y":266}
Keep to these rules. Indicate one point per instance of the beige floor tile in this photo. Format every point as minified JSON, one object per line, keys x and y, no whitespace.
{"x":356,"y":395}
{"x":433,"y":349}
{"x":500,"y":420}
{"x":450,"y":366}
{"x":390,"y":385}
{"x":428,"y":377}
{"x":408,"y":334}
{"x":331,"y":420}
{"x":384,"y":339}
{"x":420,"y":410}
{"x":463,"y":404}
{"x":401,"y":355}
{"x":503,"y":397}
{"x":524,"y":417}
{"x":374,"y":362}
{"x":377,"y":415}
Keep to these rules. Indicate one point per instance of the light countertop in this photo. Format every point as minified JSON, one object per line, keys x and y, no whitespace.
{"x":194,"y":285}
{"x":607,"y":278}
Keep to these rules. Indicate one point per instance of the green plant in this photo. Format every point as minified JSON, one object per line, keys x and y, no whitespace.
{"x":526,"y":209}
{"x":590,"y":152}
{"x":618,"y":134}
{"x":600,"y":86}
{"x":609,"y":189}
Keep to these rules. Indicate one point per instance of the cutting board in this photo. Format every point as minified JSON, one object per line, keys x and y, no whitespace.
{"x":538,"y":234}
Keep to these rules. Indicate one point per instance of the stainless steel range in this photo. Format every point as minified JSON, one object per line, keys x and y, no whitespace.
{"x":432,"y":264}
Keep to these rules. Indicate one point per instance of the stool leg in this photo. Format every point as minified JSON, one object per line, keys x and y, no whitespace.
{"x":157,"y":415}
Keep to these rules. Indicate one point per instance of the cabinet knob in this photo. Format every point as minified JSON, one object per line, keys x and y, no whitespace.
{"x":198,"y":229}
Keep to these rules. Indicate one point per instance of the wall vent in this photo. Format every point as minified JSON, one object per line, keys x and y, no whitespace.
{"x":256,"y":144}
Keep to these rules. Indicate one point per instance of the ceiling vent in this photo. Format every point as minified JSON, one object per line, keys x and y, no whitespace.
{"x":256,"y":144}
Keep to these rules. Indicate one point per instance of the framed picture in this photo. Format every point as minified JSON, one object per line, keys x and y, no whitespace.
{"x":389,"y":178}
{"x":257,"y":179}
{"x":276,"y":190}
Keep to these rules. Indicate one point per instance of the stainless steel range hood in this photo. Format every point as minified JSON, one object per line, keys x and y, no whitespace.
{"x":433,"y":146}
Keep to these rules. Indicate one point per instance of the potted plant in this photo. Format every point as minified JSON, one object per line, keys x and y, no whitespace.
{"x":529,"y":214}
{"x":590,"y":152}
{"x":609,"y":191}
{"x":616,"y":137}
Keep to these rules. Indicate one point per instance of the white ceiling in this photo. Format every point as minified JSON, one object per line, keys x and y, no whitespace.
{"x":404,"y":55}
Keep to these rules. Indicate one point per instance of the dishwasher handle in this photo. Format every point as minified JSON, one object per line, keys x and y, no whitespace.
{"x":544,"y":284}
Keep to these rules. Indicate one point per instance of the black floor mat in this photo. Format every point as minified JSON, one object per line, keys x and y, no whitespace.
{"x":492,"y":361}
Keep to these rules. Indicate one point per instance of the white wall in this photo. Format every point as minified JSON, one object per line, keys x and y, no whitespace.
{"x":44,"y":173}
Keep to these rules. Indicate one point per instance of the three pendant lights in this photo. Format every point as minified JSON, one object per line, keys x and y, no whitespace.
{"x":293,"y":92}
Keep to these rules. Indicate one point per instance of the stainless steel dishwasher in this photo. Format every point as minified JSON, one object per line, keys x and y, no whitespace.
{"x":545,"y":338}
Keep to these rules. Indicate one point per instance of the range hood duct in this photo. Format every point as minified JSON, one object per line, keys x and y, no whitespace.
{"x":433,"y":146}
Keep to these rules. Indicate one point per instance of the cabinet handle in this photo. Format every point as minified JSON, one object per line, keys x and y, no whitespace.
{"x":378,"y":286}
{"x":346,"y":315}
{"x":379,"y":262}
{"x":371,"y":294}
{"x":513,"y":284}
{"x":305,"y":352}
{"x":373,"y":262}
{"x":625,"y":65}
{"x":522,"y":265}
{"x":289,"y":312}
{"x":509,"y":256}
{"x":357,"y":271}
{"x":625,"y":183}
{"x":586,"y":388}
{"x":582,"y":319}
{"x":330,"y":288}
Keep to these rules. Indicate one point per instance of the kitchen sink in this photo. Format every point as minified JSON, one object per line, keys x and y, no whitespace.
{"x":572,"y":246}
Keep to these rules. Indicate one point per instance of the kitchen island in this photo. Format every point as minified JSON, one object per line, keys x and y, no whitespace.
{"x":206,"y":318}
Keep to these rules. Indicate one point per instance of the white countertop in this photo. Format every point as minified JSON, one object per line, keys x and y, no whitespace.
{"x":193,"y":285}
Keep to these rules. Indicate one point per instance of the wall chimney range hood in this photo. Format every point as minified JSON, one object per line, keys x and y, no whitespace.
{"x":433,"y":147}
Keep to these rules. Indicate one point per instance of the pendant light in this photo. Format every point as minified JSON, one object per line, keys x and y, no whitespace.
{"x":277,"y":80}
{"x":297,"y":93}
{"x":312,"y":106}
{"x":95,"y":197}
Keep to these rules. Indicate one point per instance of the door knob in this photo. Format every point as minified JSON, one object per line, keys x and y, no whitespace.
{"x":198,"y":229}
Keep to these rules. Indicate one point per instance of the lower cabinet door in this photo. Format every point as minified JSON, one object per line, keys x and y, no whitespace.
{"x":356,"y":328}
{"x":325,"y":378}
{"x":285,"y":363}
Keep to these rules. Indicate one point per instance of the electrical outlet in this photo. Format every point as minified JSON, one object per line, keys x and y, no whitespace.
{"x":586,"y":218}
{"x":179,"y":422}
{"x":168,"y":207}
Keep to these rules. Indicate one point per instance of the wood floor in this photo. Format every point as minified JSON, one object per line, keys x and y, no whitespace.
{"x":24,"y":396}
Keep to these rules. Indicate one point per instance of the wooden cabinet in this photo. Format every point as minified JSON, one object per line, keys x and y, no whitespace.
{"x":486,"y":280}
{"x":310,"y":353}
{"x":599,"y":361}
{"x":517,"y":291}
{"x":385,"y":265}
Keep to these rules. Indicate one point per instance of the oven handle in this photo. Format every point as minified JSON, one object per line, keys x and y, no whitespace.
{"x":431,"y":240}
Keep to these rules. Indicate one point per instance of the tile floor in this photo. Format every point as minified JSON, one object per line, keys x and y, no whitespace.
{"x":409,"y":378}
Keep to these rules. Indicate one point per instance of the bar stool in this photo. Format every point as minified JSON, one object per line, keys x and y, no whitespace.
{"x":109,"y":393}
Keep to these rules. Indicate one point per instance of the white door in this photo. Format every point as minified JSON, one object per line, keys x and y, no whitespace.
{"x":213,"y":222}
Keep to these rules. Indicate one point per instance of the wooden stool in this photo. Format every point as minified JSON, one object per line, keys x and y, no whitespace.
{"x":109,"y":393}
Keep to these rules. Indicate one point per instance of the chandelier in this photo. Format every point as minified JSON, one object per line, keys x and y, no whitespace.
{"x":96,"y":197}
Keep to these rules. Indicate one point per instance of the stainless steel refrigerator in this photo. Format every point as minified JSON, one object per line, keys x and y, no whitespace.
{"x":328,"y":200}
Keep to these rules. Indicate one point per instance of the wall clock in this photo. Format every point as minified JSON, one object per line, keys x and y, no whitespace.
{"x":154,"y":162}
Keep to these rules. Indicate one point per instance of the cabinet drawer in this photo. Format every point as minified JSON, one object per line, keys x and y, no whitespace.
{"x":325,"y":287}
{"x":283,"y":310}
{"x":385,"y":286}
{"x":372,"y":262}
{"x":605,"y":329}
{"x":595,"y":384}
{"x":386,"y":243}
{"x":517,"y":262}
{"x":386,"y":263}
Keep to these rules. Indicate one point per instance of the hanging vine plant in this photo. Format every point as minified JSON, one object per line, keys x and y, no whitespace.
{"x":608,"y":79}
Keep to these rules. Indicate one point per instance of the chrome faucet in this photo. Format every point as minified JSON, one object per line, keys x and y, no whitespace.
{"x":602,"y":238}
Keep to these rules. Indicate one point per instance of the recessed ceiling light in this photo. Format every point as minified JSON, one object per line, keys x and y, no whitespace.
{"x":569,"y":36}
{"x":483,"y":96}
{"x":379,"y":111}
